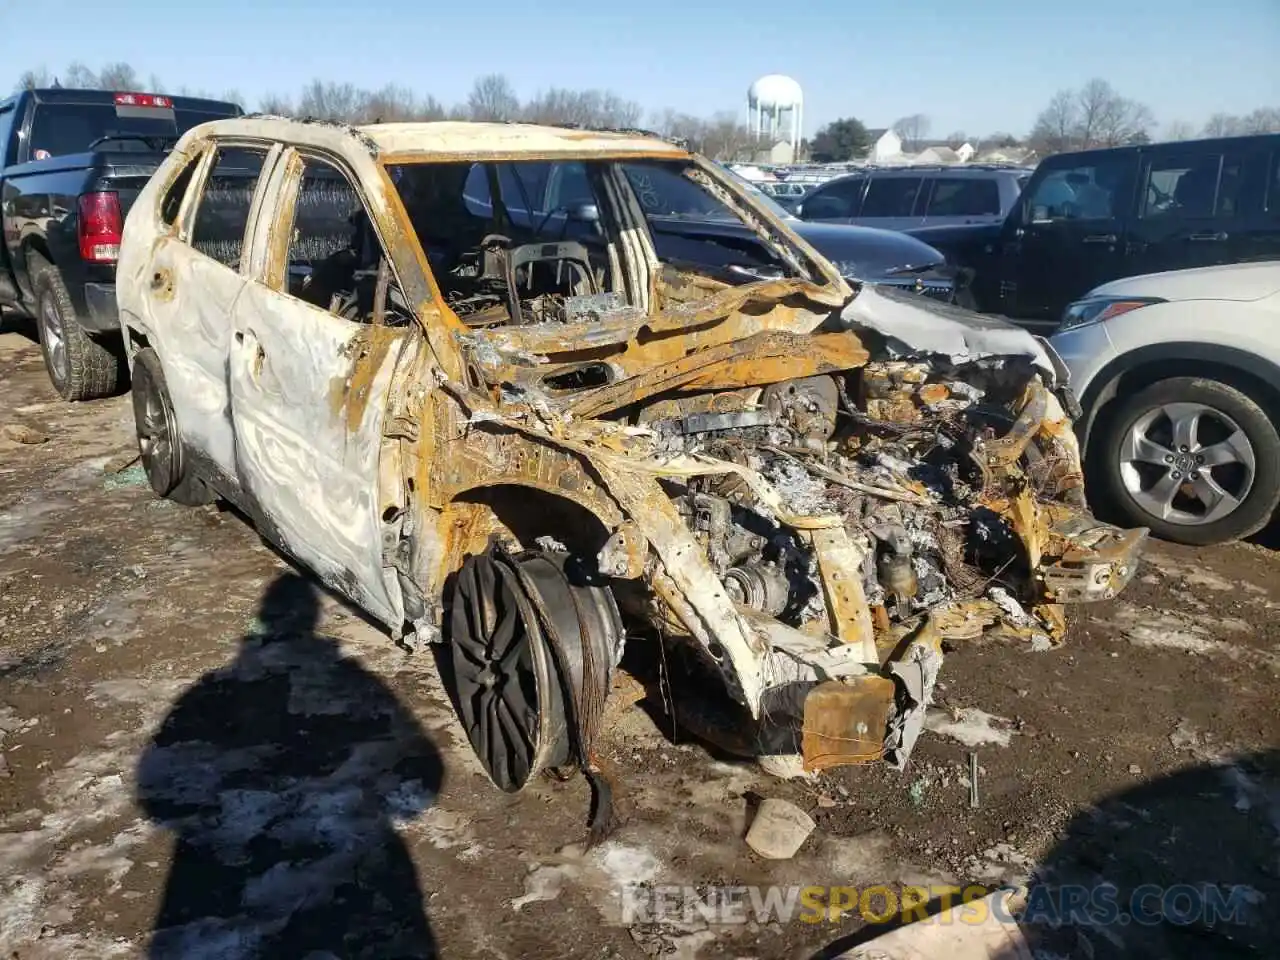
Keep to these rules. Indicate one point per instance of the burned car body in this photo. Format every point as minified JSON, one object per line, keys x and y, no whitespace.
{"x":530,"y":447}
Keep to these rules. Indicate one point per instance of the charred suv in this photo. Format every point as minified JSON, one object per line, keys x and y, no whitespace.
{"x":528,"y":448}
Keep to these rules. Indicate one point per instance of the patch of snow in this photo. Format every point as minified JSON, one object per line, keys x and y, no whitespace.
{"x":969,"y":725}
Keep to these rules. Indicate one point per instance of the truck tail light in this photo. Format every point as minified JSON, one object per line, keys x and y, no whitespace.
{"x":100,"y":227}
{"x":142,"y":100}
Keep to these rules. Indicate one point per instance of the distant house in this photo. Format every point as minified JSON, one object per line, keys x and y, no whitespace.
{"x":887,"y":148}
{"x":781,"y":152}
{"x":938,"y":155}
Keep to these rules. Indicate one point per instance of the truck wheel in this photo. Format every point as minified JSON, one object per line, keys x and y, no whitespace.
{"x":80,"y":367}
{"x":1195,"y":460}
{"x":159,"y":442}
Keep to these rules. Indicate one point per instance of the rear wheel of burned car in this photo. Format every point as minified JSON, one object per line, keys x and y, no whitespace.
{"x":159,"y":442}
{"x":1195,"y":460}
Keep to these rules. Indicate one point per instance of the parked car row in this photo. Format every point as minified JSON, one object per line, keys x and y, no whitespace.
{"x":1088,"y":218}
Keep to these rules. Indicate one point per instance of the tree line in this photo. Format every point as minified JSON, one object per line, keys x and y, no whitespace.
{"x":492,"y":97}
{"x":1095,"y":115}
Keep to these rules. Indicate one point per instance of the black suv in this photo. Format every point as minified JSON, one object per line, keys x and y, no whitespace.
{"x":902,"y":198}
{"x":1098,"y":215}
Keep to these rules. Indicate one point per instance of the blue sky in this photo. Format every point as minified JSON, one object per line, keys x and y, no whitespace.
{"x":972,"y":65}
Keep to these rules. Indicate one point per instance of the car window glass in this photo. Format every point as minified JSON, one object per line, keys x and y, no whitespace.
{"x":1231,"y":188}
{"x":58,"y":129}
{"x":964,"y":197}
{"x":890,"y":197}
{"x":172,"y":201}
{"x":222,"y":215}
{"x":336,"y":260}
{"x":667,"y":193}
{"x":1089,"y":191}
{"x":568,"y":187}
{"x":1273,"y":185}
{"x":6,"y":128}
{"x":524,"y":186}
{"x":835,"y":201}
{"x":1182,"y":185}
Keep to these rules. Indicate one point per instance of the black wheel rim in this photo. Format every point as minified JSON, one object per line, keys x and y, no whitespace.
{"x":154,"y":425}
{"x":504,"y":700}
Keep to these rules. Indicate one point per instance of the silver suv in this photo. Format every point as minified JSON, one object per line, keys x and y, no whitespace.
{"x":903,"y":198}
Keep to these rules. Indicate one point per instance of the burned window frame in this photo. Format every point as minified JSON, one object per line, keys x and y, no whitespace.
{"x":287,"y":180}
{"x":199,"y":184}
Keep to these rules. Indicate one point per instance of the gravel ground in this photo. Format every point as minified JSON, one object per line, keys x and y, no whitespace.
{"x":176,"y":757}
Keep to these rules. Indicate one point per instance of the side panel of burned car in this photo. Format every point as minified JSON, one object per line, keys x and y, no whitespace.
{"x":279,"y":321}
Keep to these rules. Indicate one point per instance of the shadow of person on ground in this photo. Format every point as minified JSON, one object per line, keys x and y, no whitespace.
{"x":282,"y":775}
{"x":1187,"y":865}
{"x":1184,"y":866}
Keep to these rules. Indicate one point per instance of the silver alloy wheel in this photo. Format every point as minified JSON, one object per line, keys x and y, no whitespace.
{"x":155,"y":436}
{"x":1173,"y":474}
{"x":55,"y":341}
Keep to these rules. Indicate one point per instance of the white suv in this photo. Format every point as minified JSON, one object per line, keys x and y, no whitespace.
{"x":1178,"y":375}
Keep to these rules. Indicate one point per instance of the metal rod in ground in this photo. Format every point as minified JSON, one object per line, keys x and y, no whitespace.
{"x":973,"y":781}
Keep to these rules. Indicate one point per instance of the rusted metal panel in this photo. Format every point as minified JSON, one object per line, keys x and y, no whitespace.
{"x":845,"y":722}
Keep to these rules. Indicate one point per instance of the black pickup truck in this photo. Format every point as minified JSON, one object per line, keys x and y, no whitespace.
{"x":71,"y":164}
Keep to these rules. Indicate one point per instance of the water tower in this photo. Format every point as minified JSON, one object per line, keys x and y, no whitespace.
{"x":767,"y":100}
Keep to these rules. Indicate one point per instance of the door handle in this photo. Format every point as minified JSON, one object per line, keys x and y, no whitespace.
{"x":1208,"y":237}
{"x":1100,"y":238}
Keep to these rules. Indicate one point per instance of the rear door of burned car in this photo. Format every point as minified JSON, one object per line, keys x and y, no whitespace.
{"x":316,"y":340}
{"x":183,"y":267}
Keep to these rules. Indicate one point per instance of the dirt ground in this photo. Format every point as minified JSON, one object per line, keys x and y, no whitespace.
{"x":193,"y":740}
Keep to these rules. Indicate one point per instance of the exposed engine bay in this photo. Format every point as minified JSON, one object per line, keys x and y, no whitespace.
{"x":809,"y":492}
{"x":853,"y":520}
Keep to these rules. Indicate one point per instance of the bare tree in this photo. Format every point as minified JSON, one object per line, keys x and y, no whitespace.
{"x":1179,"y":130}
{"x":1222,"y":125}
{"x":80,"y":77}
{"x":1094,"y":102}
{"x":725,"y":138}
{"x":429,"y":108}
{"x":587,"y":108}
{"x":390,"y":104}
{"x":493,"y":98}
{"x":118,"y":76}
{"x":1094,"y":116}
{"x":912,"y":130}
{"x":956,"y":139}
{"x":276,"y":105}
{"x":1108,"y":120}
{"x":1056,"y":124}
{"x":1262,"y":120}
{"x":33,"y":79}
{"x":330,"y":101}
